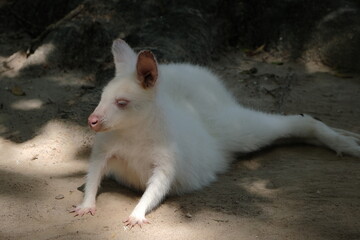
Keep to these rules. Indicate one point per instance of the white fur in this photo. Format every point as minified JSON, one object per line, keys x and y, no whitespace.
{"x":177,"y":136}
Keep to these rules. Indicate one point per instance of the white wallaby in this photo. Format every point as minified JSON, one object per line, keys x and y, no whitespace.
{"x":171,"y":128}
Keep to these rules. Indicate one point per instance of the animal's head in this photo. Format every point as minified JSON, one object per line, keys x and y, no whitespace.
{"x":129,"y":97}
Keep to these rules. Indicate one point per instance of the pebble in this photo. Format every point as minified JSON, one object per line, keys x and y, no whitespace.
{"x":60,"y":196}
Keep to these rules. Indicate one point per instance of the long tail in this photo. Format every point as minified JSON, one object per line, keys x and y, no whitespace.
{"x":244,"y":130}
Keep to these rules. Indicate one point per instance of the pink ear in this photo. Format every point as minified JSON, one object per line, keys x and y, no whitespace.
{"x":124,"y":56}
{"x":146,"y":67}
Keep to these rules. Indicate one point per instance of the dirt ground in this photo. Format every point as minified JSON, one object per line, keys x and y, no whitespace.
{"x":283,"y":192}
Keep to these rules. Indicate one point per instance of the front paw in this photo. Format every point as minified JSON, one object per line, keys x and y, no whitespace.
{"x":135,"y":220}
{"x":81,"y":210}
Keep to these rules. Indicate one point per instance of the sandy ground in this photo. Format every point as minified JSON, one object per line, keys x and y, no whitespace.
{"x":283,"y":192}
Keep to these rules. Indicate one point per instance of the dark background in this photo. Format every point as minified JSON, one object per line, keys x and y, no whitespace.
{"x":185,"y":30}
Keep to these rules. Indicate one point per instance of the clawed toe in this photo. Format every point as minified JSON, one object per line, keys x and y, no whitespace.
{"x":81,"y":211}
{"x":133,"y":221}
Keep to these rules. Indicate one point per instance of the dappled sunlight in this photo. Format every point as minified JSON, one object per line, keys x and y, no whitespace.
{"x":252,"y":164}
{"x":40,"y":55}
{"x":220,"y":225}
{"x":57,"y":145}
{"x":72,"y":79}
{"x":191,"y":226}
{"x":31,"y":171}
{"x":36,"y":171}
{"x":27,"y":104}
{"x":53,"y":151}
{"x":312,"y":67}
{"x":7,"y":151}
{"x":13,"y":65}
{"x":260,"y":187}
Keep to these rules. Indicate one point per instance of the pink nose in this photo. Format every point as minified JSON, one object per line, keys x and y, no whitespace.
{"x":94,"y":122}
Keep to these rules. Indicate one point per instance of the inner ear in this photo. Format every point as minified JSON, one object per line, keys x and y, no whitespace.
{"x":146,"y":67}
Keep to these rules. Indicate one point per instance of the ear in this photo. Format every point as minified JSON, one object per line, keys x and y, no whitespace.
{"x":146,"y":68}
{"x":124,"y":56}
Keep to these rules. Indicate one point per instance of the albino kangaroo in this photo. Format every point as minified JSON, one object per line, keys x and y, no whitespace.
{"x":167,"y":129}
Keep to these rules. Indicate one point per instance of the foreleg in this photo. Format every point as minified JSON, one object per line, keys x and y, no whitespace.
{"x":93,"y":179}
{"x":158,"y":186}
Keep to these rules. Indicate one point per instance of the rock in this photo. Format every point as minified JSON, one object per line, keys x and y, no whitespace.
{"x":59,"y":197}
{"x":336,"y":39}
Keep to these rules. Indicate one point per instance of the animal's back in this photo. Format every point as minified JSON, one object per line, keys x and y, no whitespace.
{"x":196,"y":90}
{"x":191,"y":97}
{"x":194,"y":85}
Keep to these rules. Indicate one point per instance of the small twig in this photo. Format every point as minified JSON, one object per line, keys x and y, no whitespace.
{"x":220,"y":220}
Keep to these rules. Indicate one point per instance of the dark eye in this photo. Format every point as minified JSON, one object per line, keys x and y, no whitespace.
{"x":121,"y":103}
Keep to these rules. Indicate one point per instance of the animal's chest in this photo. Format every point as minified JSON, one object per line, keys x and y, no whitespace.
{"x":131,"y":166}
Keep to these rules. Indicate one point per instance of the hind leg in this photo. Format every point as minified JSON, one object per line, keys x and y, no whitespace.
{"x":339,"y":140}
